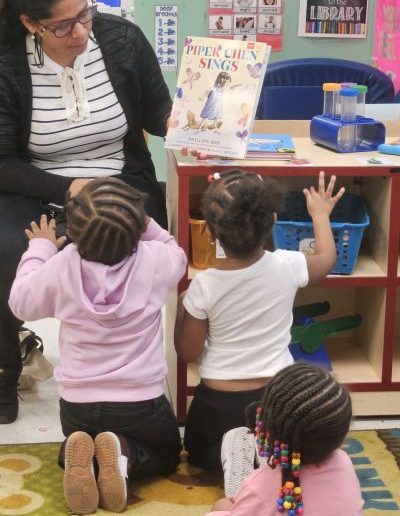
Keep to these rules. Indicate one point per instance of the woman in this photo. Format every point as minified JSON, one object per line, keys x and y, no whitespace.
{"x":77,"y":89}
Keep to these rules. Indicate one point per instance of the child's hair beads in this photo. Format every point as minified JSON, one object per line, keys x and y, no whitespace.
{"x":290,"y":496}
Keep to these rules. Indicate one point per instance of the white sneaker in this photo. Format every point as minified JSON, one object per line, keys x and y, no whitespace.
{"x":238,"y":453}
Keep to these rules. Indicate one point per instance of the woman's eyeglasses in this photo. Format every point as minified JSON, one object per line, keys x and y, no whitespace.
{"x":65,"y":27}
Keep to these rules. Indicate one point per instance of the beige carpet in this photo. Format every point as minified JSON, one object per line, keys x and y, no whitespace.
{"x":31,"y":482}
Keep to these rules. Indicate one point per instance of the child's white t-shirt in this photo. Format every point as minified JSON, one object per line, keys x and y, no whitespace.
{"x":250,"y":315}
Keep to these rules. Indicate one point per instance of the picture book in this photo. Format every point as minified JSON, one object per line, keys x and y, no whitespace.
{"x":217,"y":94}
{"x":272,"y":146}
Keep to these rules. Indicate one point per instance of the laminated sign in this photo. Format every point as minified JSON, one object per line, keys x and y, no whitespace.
{"x":333,"y":18}
{"x":166,"y":36}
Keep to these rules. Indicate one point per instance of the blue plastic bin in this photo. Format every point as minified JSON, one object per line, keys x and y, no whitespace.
{"x":348,"y":220}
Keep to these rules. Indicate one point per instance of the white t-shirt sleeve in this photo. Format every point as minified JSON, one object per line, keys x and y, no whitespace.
{"x":297,"y":264}
{"x":195,"y":299}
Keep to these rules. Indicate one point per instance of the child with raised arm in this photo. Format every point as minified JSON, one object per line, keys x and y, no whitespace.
{"x":236,"y":319}
{"x":107,"y":288}
{"x":300,"y":424}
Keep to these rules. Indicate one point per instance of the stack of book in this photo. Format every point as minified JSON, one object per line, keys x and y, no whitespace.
{"x":270,"y":146}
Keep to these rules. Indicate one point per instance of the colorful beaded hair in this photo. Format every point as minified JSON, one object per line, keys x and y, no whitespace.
{"x":290,"y":495}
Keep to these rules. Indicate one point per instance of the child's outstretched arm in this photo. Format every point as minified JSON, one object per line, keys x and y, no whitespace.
{"x":190,"y":333}
{"x":320,"y":205}
{"x":35,"y":287}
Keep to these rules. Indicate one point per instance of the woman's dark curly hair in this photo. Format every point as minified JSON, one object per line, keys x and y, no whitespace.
{"x":239,"y":209}
{"x":11,"y":27}
{"x":106,"y":220}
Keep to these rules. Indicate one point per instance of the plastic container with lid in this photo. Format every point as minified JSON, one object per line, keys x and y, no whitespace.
{"x":348,"y":116}
{"x":331,"y":99}
{"x":362,"y":93}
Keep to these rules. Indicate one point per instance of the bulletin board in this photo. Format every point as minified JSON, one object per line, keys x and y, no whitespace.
{"x":386,"y":55}
{"x":247,"y":20}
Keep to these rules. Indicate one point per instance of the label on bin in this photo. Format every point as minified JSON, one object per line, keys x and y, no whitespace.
{"x":219,"y":252}
{"x":307,"y":245}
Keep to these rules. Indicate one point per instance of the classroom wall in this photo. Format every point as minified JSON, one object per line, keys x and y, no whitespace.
{"x":193,"y":21}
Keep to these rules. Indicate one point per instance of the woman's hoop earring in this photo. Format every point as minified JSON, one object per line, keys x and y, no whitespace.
{"x":38,"y":54}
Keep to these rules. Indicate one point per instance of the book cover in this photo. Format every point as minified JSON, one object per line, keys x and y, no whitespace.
{"x":216,"y":98}
{"x":274,"y":145}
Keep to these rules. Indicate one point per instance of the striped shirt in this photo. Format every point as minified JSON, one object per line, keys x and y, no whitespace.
{"x":78,"y":124}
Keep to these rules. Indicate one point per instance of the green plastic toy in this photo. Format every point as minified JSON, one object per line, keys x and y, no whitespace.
{"x":310,"y":334}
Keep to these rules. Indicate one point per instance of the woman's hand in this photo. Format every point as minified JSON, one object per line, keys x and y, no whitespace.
{"x":45,"y":230}
{"x":195,"y":153}
{"x":76,"y":186}
{"x":322,"y":201}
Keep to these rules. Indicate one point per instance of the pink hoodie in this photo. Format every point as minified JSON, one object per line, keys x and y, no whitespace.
{"x":111,"y":334}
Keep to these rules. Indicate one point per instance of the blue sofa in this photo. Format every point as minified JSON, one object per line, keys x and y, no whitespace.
{"x":292,"y":89}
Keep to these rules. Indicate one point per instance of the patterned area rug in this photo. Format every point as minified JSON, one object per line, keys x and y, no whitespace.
{"x":31,"y":482}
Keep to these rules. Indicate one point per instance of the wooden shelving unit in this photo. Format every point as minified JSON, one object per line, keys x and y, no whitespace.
{"x":368,"y":358}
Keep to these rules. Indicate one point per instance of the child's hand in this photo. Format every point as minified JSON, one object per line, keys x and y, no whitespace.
{"x":45,"y":230}
{"x":321,"y":201}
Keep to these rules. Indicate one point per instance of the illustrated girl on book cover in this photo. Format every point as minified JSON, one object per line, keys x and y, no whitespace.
{"x":214,"y":107}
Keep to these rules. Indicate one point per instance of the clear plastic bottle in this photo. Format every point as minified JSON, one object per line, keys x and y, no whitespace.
{"x":348,"y":115}
{"x":331,"y":98}
{"x":362,"y":92}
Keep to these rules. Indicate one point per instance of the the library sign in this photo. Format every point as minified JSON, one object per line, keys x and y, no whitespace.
{"x":333,"y":18}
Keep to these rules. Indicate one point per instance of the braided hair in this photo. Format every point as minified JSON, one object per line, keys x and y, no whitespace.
{"x":305,"y":413}
{"x":106,"y":220}
{"x":239,"y":209}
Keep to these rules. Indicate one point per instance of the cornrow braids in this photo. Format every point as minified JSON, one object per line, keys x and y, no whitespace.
{"x":239,"y":210}
{"x":106,"y":220}
{"x":304,"y":416}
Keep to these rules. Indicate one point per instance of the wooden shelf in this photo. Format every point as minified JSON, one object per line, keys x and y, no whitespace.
{"x":349,"y":362}
{"x":366,"y":269}
{"x":363,"y":358}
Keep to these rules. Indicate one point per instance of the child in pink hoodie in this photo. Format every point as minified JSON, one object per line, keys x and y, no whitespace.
{"x":107,"y":288}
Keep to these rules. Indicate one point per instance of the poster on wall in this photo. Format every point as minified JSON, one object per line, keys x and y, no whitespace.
{"x":221,"y":4}
{"x":247,"y":20}
{"x":220,"y":25}
{"x":124,"y":8}
{"x":333,"y":18}
{"x":166,"y":36}
{"x":386,"y":55}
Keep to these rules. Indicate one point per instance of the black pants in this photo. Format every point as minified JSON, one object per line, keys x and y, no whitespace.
{"x":16,"y":214}
{"x":210,"y":415}
{"x":149,"y":428}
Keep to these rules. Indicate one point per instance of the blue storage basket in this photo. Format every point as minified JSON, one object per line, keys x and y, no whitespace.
{"x":348,"y":220}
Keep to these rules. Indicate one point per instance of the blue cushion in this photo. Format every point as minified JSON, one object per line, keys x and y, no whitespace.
{"x":292,"y":89}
